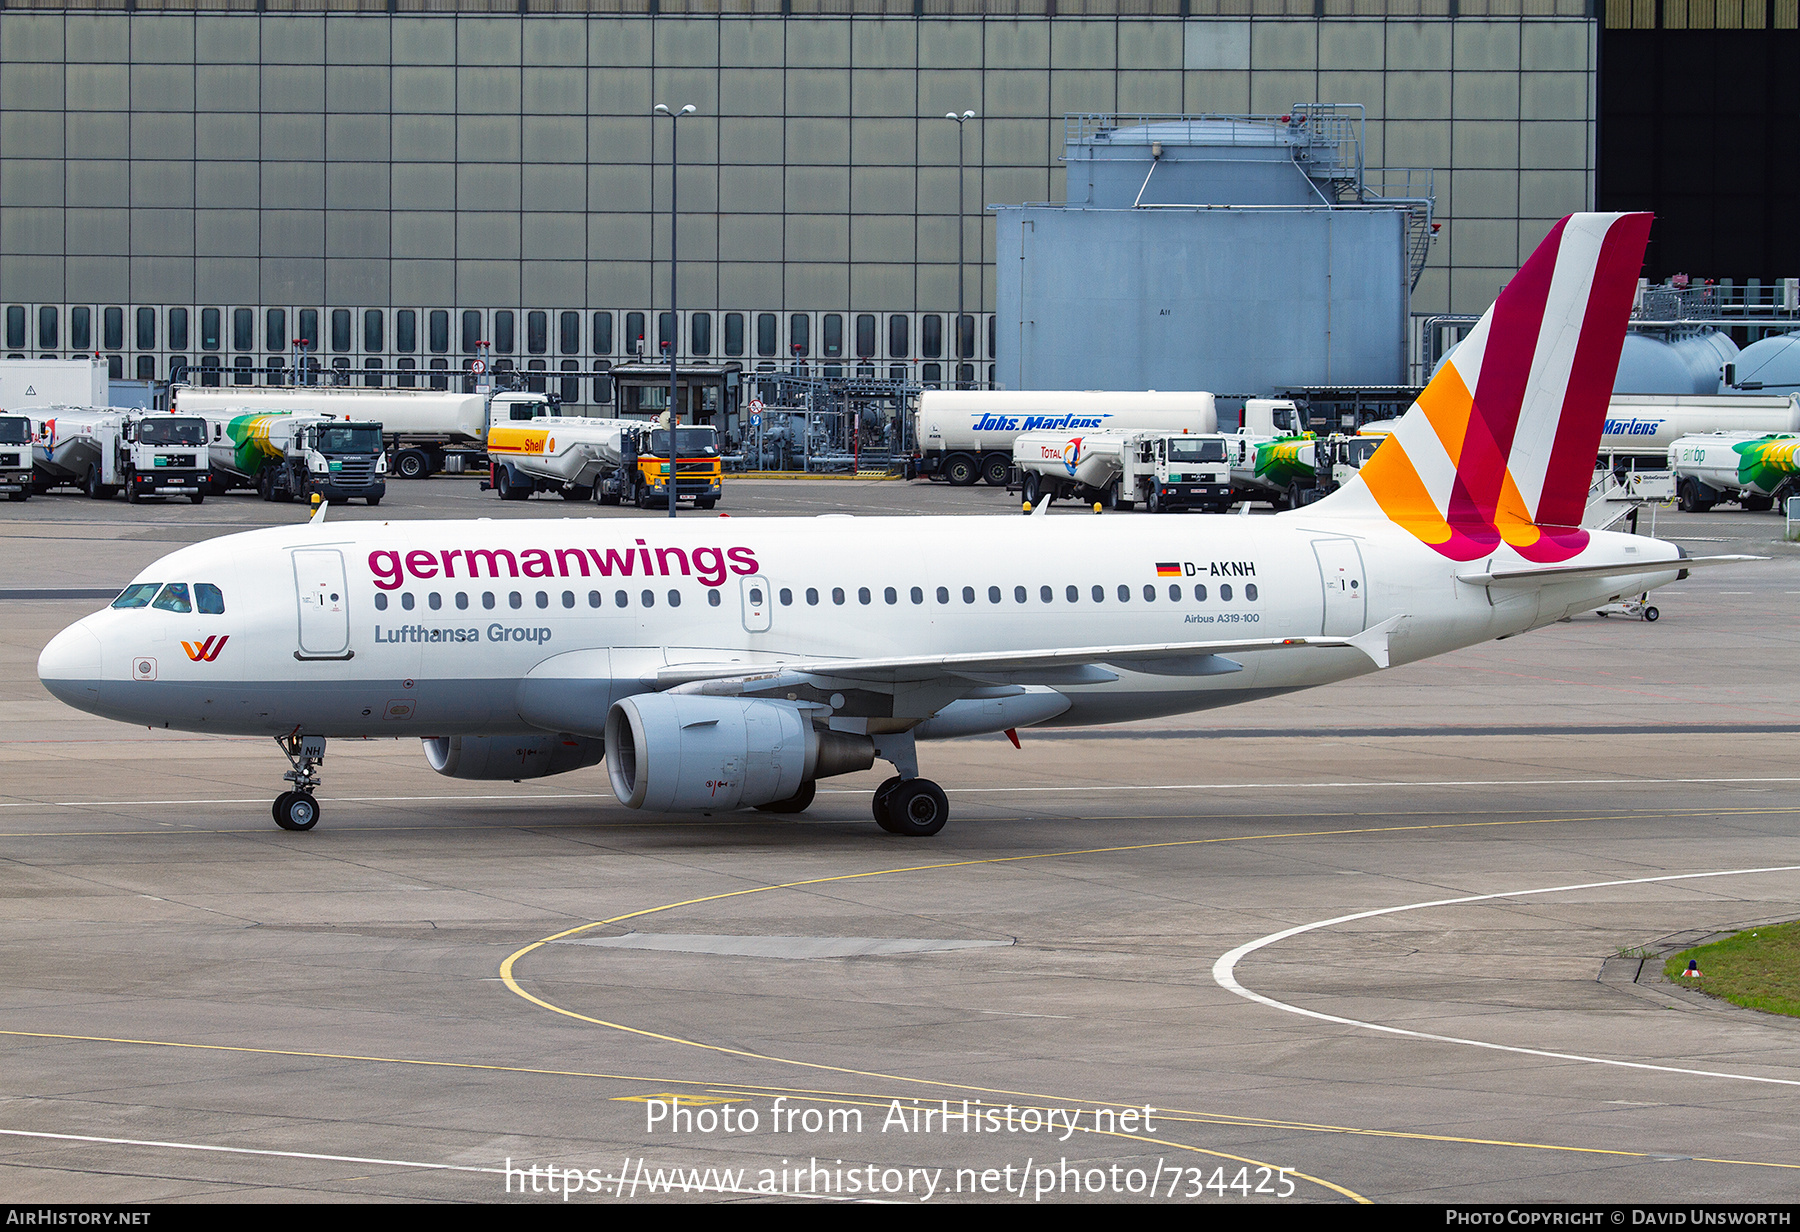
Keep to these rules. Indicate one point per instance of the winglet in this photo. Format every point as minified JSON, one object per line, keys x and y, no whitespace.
{"x":1374,"y":642}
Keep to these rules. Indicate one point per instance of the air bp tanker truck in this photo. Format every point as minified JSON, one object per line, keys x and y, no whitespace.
{"x":1165,"y":471}
{"x":292,"y":456}
{"x":965,"y":435}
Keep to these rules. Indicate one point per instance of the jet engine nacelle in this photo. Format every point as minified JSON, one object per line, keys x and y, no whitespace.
{"x":683,"y":752}
{"x":510,"y":757}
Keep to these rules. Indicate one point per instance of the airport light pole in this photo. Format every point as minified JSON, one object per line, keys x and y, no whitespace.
{"x":674,"y":314}
{"x":956,"y":346}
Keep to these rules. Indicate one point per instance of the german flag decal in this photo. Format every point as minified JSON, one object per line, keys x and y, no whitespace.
{"x":1165,"y":569}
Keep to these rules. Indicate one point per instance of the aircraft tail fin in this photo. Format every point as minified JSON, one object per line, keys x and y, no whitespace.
{"x":1500,"y":446}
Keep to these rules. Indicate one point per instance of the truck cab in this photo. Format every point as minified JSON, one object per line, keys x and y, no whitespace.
{"x":1181,"y":471}
{"x":15,"y":456}
{"x":165,"y":455}
{"x":698,"y":471}
{"x":339,"y":460}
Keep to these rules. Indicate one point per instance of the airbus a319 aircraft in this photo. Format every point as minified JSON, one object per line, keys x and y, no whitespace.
{"x":725,"y":663}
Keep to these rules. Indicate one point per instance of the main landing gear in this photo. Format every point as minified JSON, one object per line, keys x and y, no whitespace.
{"x":907,"y":804}
{"x":297,"y":809}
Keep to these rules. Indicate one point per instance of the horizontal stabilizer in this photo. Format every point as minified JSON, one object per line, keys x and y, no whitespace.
{"x":1374,"y":642}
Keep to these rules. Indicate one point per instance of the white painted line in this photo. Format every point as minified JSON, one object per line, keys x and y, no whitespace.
{"x":244,"y":1150}
{"x":1224,"y":975}
{"x":621,"y":1182}
{"x":572,"y":795}
{"x":863,"y":791}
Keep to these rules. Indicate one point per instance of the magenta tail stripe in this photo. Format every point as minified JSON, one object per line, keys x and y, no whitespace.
{"x":1566,"y":476}
{"x":1513,"y":329}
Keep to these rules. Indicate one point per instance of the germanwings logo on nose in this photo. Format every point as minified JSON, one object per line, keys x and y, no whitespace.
{"x":207,"y":651}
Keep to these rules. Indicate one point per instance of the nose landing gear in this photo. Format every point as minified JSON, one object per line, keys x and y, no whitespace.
{"x":297,"y":809}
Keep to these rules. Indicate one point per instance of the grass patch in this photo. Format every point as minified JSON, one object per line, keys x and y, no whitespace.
{"x":1758,"y":969}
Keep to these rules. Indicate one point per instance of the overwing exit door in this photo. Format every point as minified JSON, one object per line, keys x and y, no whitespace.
{"x":324,"y":604}
{"x":756,"y":604}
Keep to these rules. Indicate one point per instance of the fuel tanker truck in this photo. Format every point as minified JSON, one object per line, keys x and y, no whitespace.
{"x":102,"y":449}
{"x":606,"y":460}
{"x":965,"y":435}
{"x":287,"y":455}
{"x":1166,"y":472}
{"x":1758,"y":472}
{"x":16,"y":433}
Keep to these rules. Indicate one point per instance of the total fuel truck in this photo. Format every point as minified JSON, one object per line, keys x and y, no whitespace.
{"x":608,"y":460}
{"x":1166,"y":472}
{"x":965,"y":435}
{"x":291,"y":456}
{"x":1756,"y":471}
{"x":103,"y":449}
{"x":16,"y":434}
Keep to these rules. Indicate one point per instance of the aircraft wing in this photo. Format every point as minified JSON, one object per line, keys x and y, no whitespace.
{"x":1063,"y":665}
{"x":1538,"y":577}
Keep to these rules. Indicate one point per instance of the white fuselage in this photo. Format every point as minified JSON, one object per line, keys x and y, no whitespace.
{"x":442,"y":628}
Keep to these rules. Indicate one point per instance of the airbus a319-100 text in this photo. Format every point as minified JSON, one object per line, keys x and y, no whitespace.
{"x":724,"y":663}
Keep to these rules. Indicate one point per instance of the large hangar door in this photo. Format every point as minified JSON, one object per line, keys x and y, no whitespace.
{"x":1346,"y":595}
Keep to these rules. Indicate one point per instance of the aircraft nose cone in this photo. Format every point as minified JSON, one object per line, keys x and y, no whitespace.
{"x":70,"y":666}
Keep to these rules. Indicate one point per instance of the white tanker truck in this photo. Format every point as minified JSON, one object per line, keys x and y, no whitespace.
{"x":418,"y":425}
{"x":1167,"y":472}
{"x":103,"y":449}
{"x":966,"y":435}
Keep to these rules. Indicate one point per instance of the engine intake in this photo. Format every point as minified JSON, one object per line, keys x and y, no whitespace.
{"x":510,"y":757}
{"x":682,"y":752}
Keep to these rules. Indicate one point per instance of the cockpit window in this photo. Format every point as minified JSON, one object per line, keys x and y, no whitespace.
{"x":138,"y":594}
{"x":174,"y":598}
{"x":171,"y":431}
{"x":208,"y":599}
